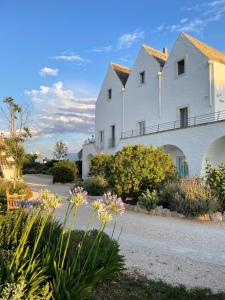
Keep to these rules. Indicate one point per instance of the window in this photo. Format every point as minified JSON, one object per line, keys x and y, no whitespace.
{"x":180,"y":67}
{"x":112,"y":140}
{"x":142,"y":77}
{"x":141,"y":126}
{"x":109,"y":93}
{"x":101,"y":139}
{"x":184,"y":117}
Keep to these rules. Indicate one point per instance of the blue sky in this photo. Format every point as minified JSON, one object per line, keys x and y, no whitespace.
{"x":54,"y":53}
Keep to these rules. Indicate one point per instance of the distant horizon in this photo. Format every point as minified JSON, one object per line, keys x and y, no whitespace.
{"x":54,"y":56}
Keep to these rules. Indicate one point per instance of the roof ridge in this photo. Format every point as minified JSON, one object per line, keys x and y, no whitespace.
{"x":207,"y":50}
{"x":120,"y":67}
{"x":157,"y":54}
{"x":156,"y":50}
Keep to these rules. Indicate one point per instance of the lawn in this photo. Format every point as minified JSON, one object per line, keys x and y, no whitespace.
{"x":138,"y":287}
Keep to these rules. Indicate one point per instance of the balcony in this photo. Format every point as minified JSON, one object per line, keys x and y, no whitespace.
{"x":175,"y":125}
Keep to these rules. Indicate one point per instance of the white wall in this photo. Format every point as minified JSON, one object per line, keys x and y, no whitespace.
{"x":219,"y":82}
{"x":107,"y":112}
{"x":190,"y":89}
{"x":142,"y":101}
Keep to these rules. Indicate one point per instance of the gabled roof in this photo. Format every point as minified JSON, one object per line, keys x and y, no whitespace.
{"x":158,"y":55}
{"x":208,"y":51}
{"x":122,"y":72}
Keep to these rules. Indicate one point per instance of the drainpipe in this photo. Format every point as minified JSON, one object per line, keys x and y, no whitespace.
{"x":210,"y":62}
{"x":123,"y":110}
{"x":160,"y":93}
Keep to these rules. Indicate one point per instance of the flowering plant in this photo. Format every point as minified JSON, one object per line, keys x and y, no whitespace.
{"x":78,"y":196}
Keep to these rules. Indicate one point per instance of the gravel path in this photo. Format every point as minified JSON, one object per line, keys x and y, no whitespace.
{"x":177,"y":251}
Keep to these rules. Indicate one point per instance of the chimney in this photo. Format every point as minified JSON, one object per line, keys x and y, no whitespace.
{"x":165,"y":51}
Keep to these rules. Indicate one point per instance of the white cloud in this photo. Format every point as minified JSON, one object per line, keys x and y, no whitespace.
{"x":59,"y":111}
{"x":201,"y":16}
{"x":128,"y":39}
{"x":69,"y":57}
{"x":102,"y":49}
{"x":160,"y":27}
{"x":49,"y":72}
{"x":196,"y":25}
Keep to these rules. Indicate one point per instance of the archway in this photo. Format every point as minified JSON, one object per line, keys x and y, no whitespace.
{"x":215,"y":154}
{"x":179,"y":159}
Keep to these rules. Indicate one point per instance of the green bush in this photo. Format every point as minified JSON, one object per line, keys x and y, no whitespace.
{"x":32,"y":252}
{"x":95,"y":186}
{"x":190,"y":197}
{"x":148,"y":199}
{"x":137,"y":168}
{"x":215,"y":178}
{"x":64,"y":171}
{"x":100,"y":165}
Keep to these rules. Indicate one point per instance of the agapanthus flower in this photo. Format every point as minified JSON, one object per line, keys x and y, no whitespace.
{"x":98,"y":205}
{"x":78,"y":196}
{"x":114,"y":204}
{"x":104,"y":216}
{"x":49,"y":200}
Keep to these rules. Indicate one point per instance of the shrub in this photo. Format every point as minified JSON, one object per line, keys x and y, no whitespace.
{"x":148,"y":199}
{"x":95,"y":186}
{"x":191,"y":197}
{"x":64,"y":171}
{"x":215,"y":178}
{"x":137,"y":168}
{"x":100,"y":165}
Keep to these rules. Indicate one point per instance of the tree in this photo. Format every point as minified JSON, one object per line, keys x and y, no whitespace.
{"x":60,"y":150}
{"x":18,"y":133}
{"x":135,"y":169}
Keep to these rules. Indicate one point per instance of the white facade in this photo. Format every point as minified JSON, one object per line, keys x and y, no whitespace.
{"x":175,"y":101}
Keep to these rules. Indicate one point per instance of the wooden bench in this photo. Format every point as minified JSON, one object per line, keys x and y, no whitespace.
{"x":14,"y":201}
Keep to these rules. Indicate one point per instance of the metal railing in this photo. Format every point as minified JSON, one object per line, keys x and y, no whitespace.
{"x":174,"y":125}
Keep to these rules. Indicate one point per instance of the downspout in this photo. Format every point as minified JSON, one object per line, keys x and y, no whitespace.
{"x":160,"y":93}
{"x":210,"y":62}
{"x":123,"y":110}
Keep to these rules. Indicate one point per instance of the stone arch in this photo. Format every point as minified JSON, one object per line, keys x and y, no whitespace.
{"x":215,"y":154}
{"x":179,"y":158}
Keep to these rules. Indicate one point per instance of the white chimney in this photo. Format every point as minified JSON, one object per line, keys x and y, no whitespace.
{"x":165,"y":51}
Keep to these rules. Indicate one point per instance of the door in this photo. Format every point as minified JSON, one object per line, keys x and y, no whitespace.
{"x":182,"y":166}
{"x":184,"y":117}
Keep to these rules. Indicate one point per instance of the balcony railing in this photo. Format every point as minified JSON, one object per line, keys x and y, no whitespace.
{"x":174,"y":125}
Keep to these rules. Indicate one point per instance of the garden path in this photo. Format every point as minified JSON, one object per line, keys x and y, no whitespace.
{"x":177,"y":251}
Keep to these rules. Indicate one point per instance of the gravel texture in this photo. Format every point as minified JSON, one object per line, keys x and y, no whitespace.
{"x":177,"y":251}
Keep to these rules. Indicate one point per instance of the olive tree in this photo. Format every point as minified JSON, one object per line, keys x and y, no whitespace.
{"x":17,"y":133}
{"x":60,"y":150}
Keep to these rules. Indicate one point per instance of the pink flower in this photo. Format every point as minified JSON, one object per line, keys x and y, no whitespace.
{"x":114,"y":204}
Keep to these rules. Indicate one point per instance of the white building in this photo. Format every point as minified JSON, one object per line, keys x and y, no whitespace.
{"x":175,"y":101}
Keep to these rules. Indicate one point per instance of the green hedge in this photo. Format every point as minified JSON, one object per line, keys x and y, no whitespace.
{"x":64,"y":171}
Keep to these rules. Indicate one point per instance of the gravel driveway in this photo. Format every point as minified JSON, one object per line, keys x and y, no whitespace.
{"x":177,"y":251}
